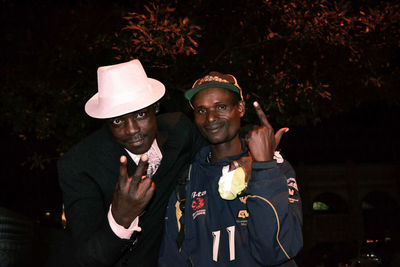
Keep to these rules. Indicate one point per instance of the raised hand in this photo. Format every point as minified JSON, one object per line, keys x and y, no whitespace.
{"x":132,"y":194}
{"x":245,"y":163}
{"x":261,"y":140}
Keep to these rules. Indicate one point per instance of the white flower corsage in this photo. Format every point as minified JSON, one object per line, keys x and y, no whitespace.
{"x":278,"y":157}
{"x":231,"y":183}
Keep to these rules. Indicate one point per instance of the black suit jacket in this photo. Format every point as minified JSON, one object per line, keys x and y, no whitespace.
{"x":88,"y":174}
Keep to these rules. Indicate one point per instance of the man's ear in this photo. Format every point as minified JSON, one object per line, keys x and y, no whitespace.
{"x":157,"y":107}
{"x":242,"y":108}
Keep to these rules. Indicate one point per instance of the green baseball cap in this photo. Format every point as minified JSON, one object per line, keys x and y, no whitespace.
{"x":216,"y":80}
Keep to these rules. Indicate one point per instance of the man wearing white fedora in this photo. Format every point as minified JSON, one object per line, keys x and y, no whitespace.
{"x":117,"y":181}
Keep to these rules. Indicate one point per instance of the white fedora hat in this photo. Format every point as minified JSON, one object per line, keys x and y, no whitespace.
{"x":123,"y":88}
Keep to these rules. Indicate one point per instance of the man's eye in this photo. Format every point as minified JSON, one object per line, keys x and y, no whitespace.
{"x":141,"y":114}
{"x":201,"y":111}
{"x":221,"y":107}
{"x":117,"y":121}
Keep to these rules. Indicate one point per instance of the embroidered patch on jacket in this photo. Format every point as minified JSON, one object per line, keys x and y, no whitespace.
{"x":293,"y":190}
{"x":243,"y":214}
{"x":242,"y":218}
{"x":292,"y":183}
{"x":198,"y":203}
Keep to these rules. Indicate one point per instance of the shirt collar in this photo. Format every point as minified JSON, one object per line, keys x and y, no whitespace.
{"x":153,"y":150}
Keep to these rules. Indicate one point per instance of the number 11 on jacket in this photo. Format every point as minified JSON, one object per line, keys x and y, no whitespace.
{"x":231,"y":235}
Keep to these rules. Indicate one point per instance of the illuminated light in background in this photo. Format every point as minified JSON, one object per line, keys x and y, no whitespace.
{"x":63,"y":218}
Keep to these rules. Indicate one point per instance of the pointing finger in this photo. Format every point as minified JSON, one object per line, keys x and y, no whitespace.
{"x":141,"y":168}
{"x":261,"y":115}
{"x":123,"y":173}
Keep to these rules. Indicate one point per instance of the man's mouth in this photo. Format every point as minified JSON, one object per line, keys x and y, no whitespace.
{"x":135,"y":141}
{"x":213,"y":128}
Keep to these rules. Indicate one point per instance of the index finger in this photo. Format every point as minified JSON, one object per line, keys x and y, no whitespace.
{"x":141,"y":168}
{"x":261,"y":115}
{"x":123,"y":173}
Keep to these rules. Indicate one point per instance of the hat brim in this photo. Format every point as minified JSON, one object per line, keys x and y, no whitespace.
{"x":131,"y":104}
{"x":192,"y":92}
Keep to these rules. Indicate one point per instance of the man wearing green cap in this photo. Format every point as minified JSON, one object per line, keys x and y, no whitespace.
{"x":248,"y":216}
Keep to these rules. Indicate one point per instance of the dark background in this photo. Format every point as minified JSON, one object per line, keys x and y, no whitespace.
{"x":52,"y":49}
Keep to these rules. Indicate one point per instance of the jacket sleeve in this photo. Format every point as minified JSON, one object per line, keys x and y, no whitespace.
{"x":94,"y":243}
{"x":275,"y":216}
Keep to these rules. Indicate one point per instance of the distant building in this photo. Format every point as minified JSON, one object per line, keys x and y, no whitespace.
{"x":350,"y":210}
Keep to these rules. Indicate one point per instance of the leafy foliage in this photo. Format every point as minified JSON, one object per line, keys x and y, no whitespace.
{"x":157,"y":36}
{"x":296,"y":56}
{"x":353,"y":46}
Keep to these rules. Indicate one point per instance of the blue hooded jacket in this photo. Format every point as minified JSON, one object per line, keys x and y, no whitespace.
{"x":261,"y":228}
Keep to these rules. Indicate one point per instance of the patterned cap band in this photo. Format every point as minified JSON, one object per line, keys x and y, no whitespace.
{"x":209,"y":78}
{"x":217,"y":80}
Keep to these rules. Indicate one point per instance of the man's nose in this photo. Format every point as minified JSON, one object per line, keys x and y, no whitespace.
{"x":211,"y":115}
{"x":132,"y":127}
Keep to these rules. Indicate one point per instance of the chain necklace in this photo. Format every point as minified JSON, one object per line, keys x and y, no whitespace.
{"x":208,"y":158}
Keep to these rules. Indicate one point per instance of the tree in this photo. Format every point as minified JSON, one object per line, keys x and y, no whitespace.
{"x":303,"y":60}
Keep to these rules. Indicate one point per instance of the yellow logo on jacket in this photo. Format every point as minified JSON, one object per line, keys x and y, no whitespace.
{"x":243,"y":214}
